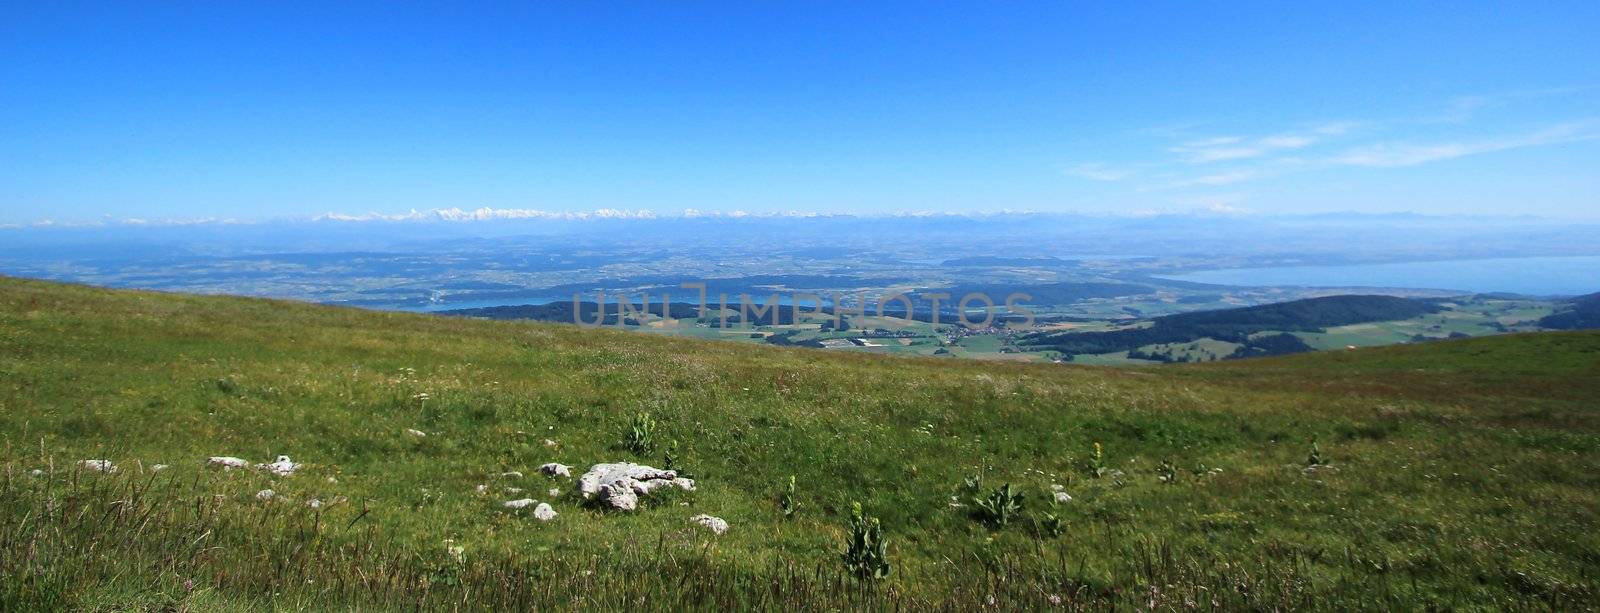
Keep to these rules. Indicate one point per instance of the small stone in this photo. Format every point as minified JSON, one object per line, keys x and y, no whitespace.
{"x":265,"y":495}
{"x":99,"y":466}
{"x":717,"y":525}
{"x":519,"y":504}
{"x":556,"y":470}
{"x":1063,"y":497}
{"x":282,"y":467}
{"x":416,"y":433}
{"x":226,"y":462}
{"x":544,"y":512}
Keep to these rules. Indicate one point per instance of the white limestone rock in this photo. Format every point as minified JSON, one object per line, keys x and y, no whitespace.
{"x":519,"y":504}
{"x":282,"y":467}
{"x":556,"y":470}
{"x":544,"y":512}
{"x":619,"y":485}
{"x":99,"y":466}
{"x":717,"y":525}
{"x":227,"y":462}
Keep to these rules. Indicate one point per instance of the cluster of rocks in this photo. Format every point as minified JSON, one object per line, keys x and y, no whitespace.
{"x":619,"y":485}
{"x":282,"y":467}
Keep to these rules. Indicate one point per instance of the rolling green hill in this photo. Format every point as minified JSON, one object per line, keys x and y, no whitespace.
{"x":1455,"y":474}
{"x":1238,"y":325}
{"x":1581,"y":313}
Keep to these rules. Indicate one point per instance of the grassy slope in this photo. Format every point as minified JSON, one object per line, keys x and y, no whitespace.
{"x":1466,"y":470}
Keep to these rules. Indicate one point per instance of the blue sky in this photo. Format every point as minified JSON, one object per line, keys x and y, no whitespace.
{"x":224,"y":110}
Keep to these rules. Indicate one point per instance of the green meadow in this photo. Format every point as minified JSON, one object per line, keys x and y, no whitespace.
{"x":1460,"y":474}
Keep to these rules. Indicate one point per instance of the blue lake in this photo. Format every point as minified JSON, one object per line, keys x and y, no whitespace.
{"x":1541,"y":276}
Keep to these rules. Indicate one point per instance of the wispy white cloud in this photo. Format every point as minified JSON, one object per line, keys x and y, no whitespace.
{"x":1095,"y":171}
{"x":1400,"y":154}
{"x":1463,"y":108}
{"x":1229,"y":148}
{"x":1221,"y":178}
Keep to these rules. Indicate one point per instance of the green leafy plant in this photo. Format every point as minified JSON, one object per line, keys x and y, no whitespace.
{"x":1315,"y":458}
{"x":1000,"y":506}
{"x":972,"y":484}
{"x":787,"y":502}
{"x":1050,"y":522}
{"x":1097,"y":462}
{"x":640,"y":437}
{"x":866,"y":552}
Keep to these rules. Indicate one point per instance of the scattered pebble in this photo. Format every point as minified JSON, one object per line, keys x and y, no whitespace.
{"x":314,"y":503}
{"x":1063,"y":497}
{"x":518,"y":504}
{"x":227,"y":462}
{"x":481,"y":488}
{"x":265,"y":495}
{"x":544,"y":512}
{"x":554,"y":492}
{"x":36,"y":472}
{"x":417,"y":433}
{"x":556,"y":470}
{"x":717,"y":525}
{"x":512,"y":474}
{"x":159,"y":467}
{"x":282,"y":467}
{"x":99,"y":466}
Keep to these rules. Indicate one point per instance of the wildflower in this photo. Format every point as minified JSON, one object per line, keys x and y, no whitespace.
{"x":1053,"y":599}
{"x":482,"y":488}
{"x":314,"y":503}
